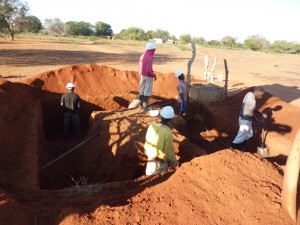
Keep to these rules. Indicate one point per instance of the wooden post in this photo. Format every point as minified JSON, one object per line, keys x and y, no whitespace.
{"x":226,"y":76}
{"x":189,"y":67}
{"x":211,"y":77}
{"x":206,"y":63}
{"x":290,"y":180}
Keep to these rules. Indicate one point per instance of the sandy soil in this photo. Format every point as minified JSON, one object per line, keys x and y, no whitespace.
{"x":213,"y":185}
{"x":279,"y":73}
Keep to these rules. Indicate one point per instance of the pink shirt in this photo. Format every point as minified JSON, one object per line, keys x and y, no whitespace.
{"x":145,"y":63}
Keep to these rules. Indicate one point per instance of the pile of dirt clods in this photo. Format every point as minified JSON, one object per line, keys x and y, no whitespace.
{"x":103,"y":182}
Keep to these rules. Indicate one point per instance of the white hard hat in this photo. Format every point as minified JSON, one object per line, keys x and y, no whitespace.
{"x":154,"y":112}
{"x":150,"y":46}
{"x":167,"y":112}
{"x":178,"y":73}
{"x":70,"y":86}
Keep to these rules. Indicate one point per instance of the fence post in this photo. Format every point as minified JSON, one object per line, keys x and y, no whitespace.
{"x":189,"y":67}
{"x":226,"y":76}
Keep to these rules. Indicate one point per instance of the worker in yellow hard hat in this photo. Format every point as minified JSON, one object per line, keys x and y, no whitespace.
{"x":159,"y":144}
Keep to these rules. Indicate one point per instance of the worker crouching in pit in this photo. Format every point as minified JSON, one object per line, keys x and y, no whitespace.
{"x":159,"y":144}
{"x":71,"y":103}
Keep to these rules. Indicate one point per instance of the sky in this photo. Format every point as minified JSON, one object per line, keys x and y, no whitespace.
{"x":210,"y":19}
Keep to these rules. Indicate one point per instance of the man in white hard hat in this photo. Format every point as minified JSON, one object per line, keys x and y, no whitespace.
{"x":159,"y":144}
{"x":146,"y":74}
{"x":71,"y":103}
{"x":182,"y":91}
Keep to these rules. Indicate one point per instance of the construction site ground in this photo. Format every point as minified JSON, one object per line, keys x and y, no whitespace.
{"x":102,"y":181}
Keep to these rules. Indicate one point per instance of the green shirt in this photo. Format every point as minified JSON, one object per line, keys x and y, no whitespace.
{"x":70,"y":101}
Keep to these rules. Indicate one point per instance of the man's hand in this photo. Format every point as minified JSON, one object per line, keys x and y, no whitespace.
{"x":155,"y":78}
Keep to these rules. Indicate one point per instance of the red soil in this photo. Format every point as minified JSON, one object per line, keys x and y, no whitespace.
{"x":221,"y":187}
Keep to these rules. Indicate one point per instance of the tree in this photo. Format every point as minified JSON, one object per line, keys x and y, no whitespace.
{"x":228,"y":42}
{"x":30,"y":24}
{"x":12,"y":11}
{"x":103,"y":29}
{"x":214,"y":43}
{"x":79,"y":28}
{"x":256,"y":43}
{"x":185,"y":39}
{"x":199,"y":40}
{"x":162,"y":34}
{"x":132,"y":33}
{"x":149,"y":35}
{"x":54,"y":26}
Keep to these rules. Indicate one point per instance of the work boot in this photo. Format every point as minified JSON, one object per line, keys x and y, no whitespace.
{"x":141,"y":98}
{"x":145,"y":103}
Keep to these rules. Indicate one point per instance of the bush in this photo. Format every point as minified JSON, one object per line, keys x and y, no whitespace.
{"x":256,"y":43}
{"x":285,"y":47}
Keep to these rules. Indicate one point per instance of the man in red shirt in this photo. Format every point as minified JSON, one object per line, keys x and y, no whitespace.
{"x":147,"y":75}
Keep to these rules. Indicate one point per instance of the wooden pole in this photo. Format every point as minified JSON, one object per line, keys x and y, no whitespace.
{"x":226,"y":76}
{"x":213,"y":70}
{"x":189,"y":67}
{"x":290,"y":180}
{"x":206,"y":62}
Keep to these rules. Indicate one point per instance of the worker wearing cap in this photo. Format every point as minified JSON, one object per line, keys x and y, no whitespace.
{"x":146,"y":74}
{"x":247,"y":113}
{"x":182,"y":91}
{"x":159,"y":144}
{"x":71,"y":103}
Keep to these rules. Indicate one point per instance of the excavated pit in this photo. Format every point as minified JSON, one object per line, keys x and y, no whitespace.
{"x":233,"y":183}
{"x":111,"y":156}
{"x":105,"y":95}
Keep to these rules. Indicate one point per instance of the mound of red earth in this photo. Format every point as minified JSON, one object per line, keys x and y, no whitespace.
{"x":103,"y":182}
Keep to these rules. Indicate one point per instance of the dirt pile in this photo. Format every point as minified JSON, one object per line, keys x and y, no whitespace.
{"x":224,"y":187}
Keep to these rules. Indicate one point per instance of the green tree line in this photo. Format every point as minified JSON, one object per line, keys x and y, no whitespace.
{"x":14,"y":19}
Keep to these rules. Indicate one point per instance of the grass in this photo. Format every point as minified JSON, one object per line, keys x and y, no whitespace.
{"x":82,"y":188}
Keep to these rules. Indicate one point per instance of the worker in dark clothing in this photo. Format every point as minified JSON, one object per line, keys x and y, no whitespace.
{"x":71,"y":102}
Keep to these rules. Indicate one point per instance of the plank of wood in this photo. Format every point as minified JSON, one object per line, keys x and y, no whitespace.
{"x":290,"y":181}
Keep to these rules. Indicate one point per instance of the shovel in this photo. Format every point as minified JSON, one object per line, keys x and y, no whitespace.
{"x":262,"y":150}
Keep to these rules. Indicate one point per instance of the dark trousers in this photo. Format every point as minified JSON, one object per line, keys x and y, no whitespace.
{"x":181,"y":107}
{"x":74,"y":118}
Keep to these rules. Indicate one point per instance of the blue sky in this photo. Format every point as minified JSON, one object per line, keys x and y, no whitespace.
{"x":211,"y":19}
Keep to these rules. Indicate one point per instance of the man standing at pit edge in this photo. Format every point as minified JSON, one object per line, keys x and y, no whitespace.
{"x":70,"y":102}
{"x":146,"y":75}
{"x":247,"y":113}
{"x":159,"y":144}
{"x":182,"y":91}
